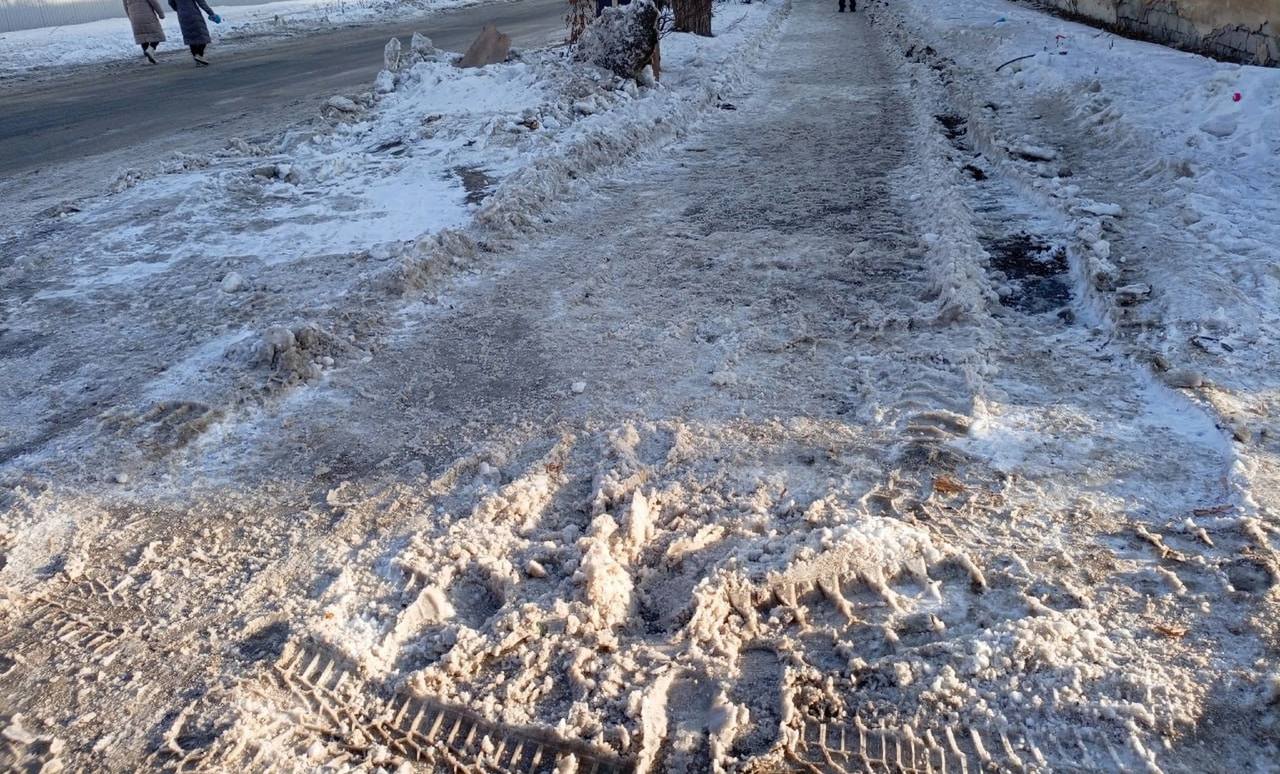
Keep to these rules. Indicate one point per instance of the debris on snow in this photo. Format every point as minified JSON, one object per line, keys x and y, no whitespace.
{"x":489,"y":47}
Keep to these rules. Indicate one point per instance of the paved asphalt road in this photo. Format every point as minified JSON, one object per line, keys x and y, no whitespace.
{"x":49,"y":122}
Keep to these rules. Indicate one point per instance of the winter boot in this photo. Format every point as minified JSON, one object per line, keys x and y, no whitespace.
{"x":200,"y":60}
{"x":841,"y":6}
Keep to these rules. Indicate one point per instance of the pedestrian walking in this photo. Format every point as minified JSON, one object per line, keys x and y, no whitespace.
{"x":853,"y":6}
{"x":144,"y":17}
{"x":195,"y":34}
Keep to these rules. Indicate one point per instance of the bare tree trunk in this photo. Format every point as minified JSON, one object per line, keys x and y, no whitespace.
{"x":693,"y":16}
{"x":580,"y":14}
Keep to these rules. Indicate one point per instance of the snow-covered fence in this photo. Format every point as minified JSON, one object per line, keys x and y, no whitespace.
{"x":30,"y":14}
{"x":1246,"y":31}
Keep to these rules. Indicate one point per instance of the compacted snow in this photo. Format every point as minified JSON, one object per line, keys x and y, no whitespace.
{"x":839,"y":404}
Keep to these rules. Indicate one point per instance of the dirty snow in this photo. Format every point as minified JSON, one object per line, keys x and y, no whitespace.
{"x":874,"y":414}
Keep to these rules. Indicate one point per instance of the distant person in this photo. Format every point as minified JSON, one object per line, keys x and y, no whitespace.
{"x":194,"y":32}
{"x":144,"y":17}
{"x":853,"y":6}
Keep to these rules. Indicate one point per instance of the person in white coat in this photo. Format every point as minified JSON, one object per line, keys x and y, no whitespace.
{"x":144,"y":17}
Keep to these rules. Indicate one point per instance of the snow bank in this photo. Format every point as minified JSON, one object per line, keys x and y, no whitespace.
{"x":1165,"y":165}
{"x":1204,"y":136}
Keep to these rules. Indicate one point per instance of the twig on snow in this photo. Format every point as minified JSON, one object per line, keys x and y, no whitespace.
{"x":1011,"y":61}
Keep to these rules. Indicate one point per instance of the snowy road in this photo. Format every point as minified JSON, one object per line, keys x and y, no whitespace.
{"x":150,"y":111}
{"x":803,"y":442}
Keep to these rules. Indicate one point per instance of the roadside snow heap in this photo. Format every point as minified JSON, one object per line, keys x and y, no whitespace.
{"x":622,"y":39}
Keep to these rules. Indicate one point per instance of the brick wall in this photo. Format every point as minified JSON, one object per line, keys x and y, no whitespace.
{"x":1246,"y":31}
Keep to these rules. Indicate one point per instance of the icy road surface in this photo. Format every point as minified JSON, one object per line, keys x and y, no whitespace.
{"x":811,"y":440}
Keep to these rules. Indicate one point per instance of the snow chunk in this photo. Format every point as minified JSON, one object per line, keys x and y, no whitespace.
{"x":391,"y":55}
{"x":608,"y":584}
{"x":1223,"y":125}
{"x":1132,"y":294}
{"x":1033,"y":152}
{"x":342,"y":104}
{"x":232,"y":283}
{"x":1101,"y":209}
{"x":421,"y":46}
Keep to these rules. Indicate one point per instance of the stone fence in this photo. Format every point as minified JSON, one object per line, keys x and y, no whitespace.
{"x":1245,"y":31}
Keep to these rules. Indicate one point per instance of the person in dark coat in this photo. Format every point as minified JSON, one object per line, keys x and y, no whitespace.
{"x":853,"y":6}
{"x":194,"y":32}
{"x":144,"y":17}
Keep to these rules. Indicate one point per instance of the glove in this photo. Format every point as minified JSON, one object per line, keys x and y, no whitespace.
{"x":215,"y":18}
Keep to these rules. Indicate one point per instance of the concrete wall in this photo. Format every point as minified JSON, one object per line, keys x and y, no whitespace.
{"x":1245,"y":31}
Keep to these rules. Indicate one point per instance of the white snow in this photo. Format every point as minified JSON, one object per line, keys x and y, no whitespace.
{"x":1175,"y":193}
{"x":704,"y":462}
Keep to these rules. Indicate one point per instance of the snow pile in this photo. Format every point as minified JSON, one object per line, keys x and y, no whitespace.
{"x":622,"y":39}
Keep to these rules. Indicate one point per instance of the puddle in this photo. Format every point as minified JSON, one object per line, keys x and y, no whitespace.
{"x":1034,"y":269}
{"x":1037,"y":271}
{"x":477,"y":182}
